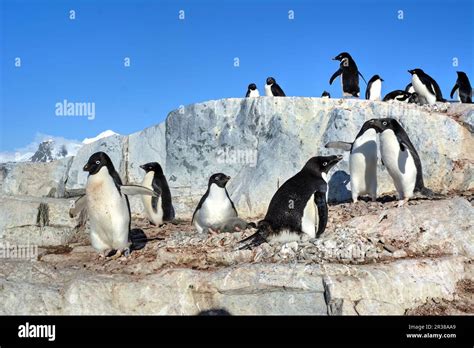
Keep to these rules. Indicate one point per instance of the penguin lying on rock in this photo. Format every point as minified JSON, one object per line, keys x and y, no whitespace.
{"x":298,"y":207}
{"x":215,"y":211}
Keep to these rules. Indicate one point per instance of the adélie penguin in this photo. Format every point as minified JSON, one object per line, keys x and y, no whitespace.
{"x":426,"y":87}
{"x":399,"y":95}
{"x":272,"y":89}
{"x":349,"y":75}
{"x":298,"y":207}
{"x":215,"y":211}
{"x":362,"y":161}
{"x":463,"y":88}
{"x":252,"y":91}
{"x":374,"y":88}
{"x":159,"y":208}
{"x":401,"y":159}
{"x":108,"y":208}
{"x":325,"y":95}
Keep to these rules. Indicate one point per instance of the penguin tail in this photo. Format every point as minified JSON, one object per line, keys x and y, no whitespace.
{"x":341,"y":145}
{"x":257,"y":238}
{"x":139,"y":239}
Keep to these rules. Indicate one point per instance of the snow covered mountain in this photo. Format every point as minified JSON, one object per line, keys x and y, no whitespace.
{"x":49,"y":148}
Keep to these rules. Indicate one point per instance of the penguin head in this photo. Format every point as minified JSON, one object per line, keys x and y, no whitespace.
{"x":270,"y":81}
{"x":97,"y":161}
{"x":375,"y":78}
{"x":382,"y":124}
{"x":416,"y":71}
{"x":152,"y":167}
{"x":461,"y":74}
{"x":321,"y":164}
{"x":326,"y":94}
{"x":252,"y":86}
{"x":220,"y":179}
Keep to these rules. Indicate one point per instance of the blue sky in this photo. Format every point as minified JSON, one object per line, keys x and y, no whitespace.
{"x":178,"y":62}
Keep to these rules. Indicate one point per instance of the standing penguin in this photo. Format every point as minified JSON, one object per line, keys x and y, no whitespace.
{"x":252,"y":91}
{"x":160,"y":208}
{"x":426,"y":87}
{"x":401,"y":159}
{"x":374,"y":88}
{"x":215,"y":208}
{"x":108,"y":207}
{"x":273,"y":89}
{"x":362,"y":161}
{"x":463,"y":87}
{"x":349,"y":75}
{"x":298,"y":207}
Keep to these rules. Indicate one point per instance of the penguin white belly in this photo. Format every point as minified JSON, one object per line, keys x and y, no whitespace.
{"x":422,"y":90}
{"x":215,"y":210}
{"x":155,"y":217}
{"x":310,"y":218}
{"x":363,"y":165}
{"x":375,"y":90}
{"x":400,"y":164}
{"x":108,"y":212}
{"x":254,"y":93}
{"x":268,"y":91}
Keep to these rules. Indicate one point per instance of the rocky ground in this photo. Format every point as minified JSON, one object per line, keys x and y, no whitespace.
{"x":374,"y":258}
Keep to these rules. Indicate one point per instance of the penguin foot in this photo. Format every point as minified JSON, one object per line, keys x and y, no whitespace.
{"x":402,"y":202}
{"x":126,"y":252}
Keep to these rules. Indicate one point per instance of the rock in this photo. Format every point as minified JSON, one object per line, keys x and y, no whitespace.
{"x":443,"y":226}
{"x":201,"y":138}
{"x":400,"y":253}
{"x":36,"y":221}
{"x":35,"y":179}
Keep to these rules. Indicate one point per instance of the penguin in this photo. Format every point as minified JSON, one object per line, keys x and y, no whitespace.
{"x":215,"y":207}
{"x":350,"y":75}
{"x":409,"y":88}
{"x":398,"y":95}
{"x":374,"y":88}
{"x":427,"y":88}
{"x":298,"y":207}
{"x":463,"y":87}
{"x":252,"y":91}
{"x":108,"y":208}
{"x":159,"y":209}
{"x":326,"y":95}
{"x":362,"y":161}
{"x":273,"y":89}
{"x":401,"y":159}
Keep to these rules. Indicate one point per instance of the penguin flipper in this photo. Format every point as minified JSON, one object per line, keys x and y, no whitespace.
{"x":341,"y":145}
{"x":131,"y":190}
{"x":362,"y":77}
{"x":320,"y":201}
{"x":78,"y":206}
{"x":336,"y":74}
{"x":453,"y":90}
{"x":154,"y":199}
{"x":247,"y":94}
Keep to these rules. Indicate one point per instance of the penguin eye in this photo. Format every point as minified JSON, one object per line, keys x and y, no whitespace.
{"x":384,"y":123}
{"x":97,"y":162}
{"x":325,"y":164}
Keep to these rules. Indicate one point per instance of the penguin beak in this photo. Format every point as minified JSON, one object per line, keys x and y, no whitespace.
{"x":142,"y":166}
{"x":339,"y":157}
{"x":410,"y":71}
{"x":86,"y":167}
{"x":227,"y":178}
{"x":335,"y":58}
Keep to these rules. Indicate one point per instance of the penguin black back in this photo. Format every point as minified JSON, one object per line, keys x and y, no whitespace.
{"x":160,"y":185}
{"x":463,"y":86}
